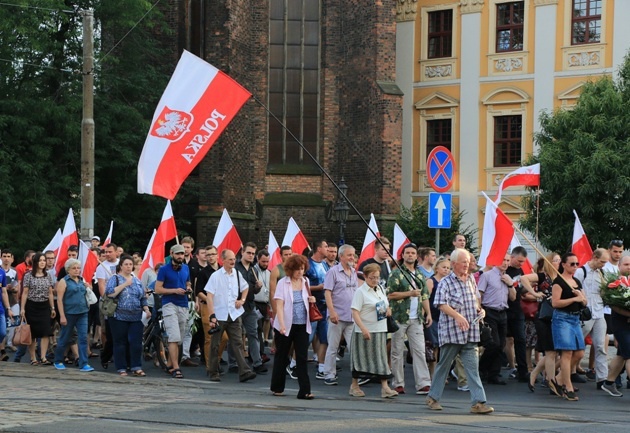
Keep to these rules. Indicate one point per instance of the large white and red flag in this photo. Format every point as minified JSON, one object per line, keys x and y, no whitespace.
{"x":197,"y":105}
{"x":167,"y":229}
{"x":580,"y":246}
{"x":69,"y":237}
{"x":400,"y":240}
{"x":367,"y":252}
{"x":275,"y":257}
{"x":89,"y":262}
{"x":108,"y":239}
{"x":148,"y":261}
{"x":54,"y":243}
{"x":226,"y":237}
{"x":295,"y":238}
{"x":522,"y":176}
{"x":497,"y":236}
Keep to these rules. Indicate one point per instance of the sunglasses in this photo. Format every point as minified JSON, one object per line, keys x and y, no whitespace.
{"x":616,"y":243}
{"x":573,"y":264}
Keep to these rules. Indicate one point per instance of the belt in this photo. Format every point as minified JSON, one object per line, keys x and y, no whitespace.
{"x":494,"y":309}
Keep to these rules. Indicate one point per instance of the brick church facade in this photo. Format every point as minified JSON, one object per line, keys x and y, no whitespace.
{"x":325,"y":68}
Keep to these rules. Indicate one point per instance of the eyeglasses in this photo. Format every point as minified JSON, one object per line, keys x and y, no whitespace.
{"x":616,"y":243}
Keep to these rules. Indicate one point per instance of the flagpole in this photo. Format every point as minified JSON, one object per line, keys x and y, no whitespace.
{"x":537,"y":210}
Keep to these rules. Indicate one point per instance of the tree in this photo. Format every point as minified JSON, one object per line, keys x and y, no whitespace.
{"x":414,"y":222}
{"x":584,"y":166}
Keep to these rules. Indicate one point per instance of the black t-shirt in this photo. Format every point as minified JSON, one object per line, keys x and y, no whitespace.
{"x":567,"y":293}
{"x":514,"y":307}
{"x":251,"y":281}
{"x":202,"y":279}
{"x":384,"y":271}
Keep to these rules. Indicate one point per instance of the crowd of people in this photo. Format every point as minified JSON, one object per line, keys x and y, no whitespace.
{"x":444,"y":315}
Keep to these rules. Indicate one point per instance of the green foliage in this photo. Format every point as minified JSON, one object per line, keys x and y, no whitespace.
{"x":583,"y":165}
{"x":41,"y":111}
{"x":414,"y":222}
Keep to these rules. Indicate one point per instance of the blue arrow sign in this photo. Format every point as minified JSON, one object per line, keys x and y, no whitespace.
{"x":440,"y":210}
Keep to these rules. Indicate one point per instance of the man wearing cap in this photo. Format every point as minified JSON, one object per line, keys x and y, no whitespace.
{"x":173,"y":283}
{"x":96,"y":241}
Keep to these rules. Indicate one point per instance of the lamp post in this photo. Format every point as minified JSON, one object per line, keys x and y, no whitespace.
{"x":342,"y":209}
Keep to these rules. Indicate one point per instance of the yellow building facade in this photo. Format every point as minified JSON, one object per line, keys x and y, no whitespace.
{"x":476,"y":74}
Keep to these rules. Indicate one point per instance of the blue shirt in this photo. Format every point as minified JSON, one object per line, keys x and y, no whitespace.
{"x":173,"y":279}
{"x":74,"y":301}
{"x":130,"y":301}
{"x":316,"y":274}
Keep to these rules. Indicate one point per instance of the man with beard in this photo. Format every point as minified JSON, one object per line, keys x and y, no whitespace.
{"x":262,"y":300}
{"x":173,"y":283}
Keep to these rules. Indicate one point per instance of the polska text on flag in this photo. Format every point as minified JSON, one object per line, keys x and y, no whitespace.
{"x":197,"y":105}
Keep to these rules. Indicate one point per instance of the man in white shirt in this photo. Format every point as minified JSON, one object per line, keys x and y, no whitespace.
{"x":104,"y":271}
{"x":226,"y":292}
{"x":615,"y":250}
{"x":590,"y":276}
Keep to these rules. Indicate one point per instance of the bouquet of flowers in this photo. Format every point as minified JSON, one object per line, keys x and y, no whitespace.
{"x":615,"y":291}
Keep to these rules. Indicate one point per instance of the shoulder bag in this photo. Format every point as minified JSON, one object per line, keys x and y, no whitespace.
{"x":313,"y":312}
{"x":22,"y":335}
{"x":90,"y":297}
{"x":545,"y":312}
{"x":108,"y":305}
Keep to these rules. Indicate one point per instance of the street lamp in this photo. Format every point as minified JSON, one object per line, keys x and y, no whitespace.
{"x":342,"y":209}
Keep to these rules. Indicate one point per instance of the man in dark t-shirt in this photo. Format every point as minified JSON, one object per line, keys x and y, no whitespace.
{"x":515,"y":316}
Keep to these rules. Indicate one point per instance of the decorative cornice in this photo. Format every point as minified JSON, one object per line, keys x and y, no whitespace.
{"x":471,"y":6}
{"x":406,"y":10}
{"x":438,"y":71}
{"x":509,"y":64}
{"x":584,"y":59}
{"x":545,"y":2}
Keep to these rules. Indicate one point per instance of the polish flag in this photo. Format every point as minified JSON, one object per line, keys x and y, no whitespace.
{"x":69,"y":237}
{"x":527,"y":266}
{"x":580,"y":246}
{"x":498,"y":233}
{"x":197,"y":105}
{"x":148,"y":261}
{"x":370,"y":240}
{"x":54,"y":244}
{"x":295,"y":238}
{"x":108,"y":239}
{"x":226,"y":237}
{"x":275,"y":258}
{"x":400,"y":240}
{"x":522,"y":176}
{"x":89,"y":262}
{"x":166,"y":230}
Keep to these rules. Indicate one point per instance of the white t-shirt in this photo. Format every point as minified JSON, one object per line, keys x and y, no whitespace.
{"x":366,"y":301}
{"x":106,"y":270}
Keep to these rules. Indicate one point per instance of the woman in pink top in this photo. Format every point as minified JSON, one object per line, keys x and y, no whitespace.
{"x":292,"y":326}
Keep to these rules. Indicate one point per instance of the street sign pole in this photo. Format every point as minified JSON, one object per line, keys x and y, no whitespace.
{"x":440,"y":174}
{"x":437,"y":242}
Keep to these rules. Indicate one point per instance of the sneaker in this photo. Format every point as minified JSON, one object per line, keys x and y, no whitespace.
{"x":464,"y":388}
{"x":86,"y":368}
{"x":59,"y":365}
{"x":332,"y":381}
{"x":265,"y":358}
{"x":261,"y":369}
{"x":577,"y":378}
{"x":363,"y":380}
{"x":291,"y":373}
{"x":424,"y":390}
{"x":590,"y":375}
{"x":320,"y":375}
{"x":513,"y":373}
{"x":433,"y":404}
{"x":247,"y":376}
{"x":611,"y":389}
{"x":215,"y":378}
{"x":453,"y":374}
{"x":481,"y":408}
{"x":399,"y":390}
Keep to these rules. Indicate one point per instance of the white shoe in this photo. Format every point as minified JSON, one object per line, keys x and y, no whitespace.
{"x":464,"y":388}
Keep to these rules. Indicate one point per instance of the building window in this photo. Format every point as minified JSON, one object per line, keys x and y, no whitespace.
{"x":440,"y":34}
{"x":586,"y":25}
{"x":438,"y":134}
{"x":294,"y":62}
{"x":510,"y":20}
{"x":507,"y":140}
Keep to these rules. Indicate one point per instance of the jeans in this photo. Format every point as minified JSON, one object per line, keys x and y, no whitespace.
{"x":298,"y":337}
{"x":597,"y":329}
{"x":414,"y":330}
{"x":335,"y":331}
{"x":124,"y":333}
{"x":469,"y":354}
{"x":80,"y":321}
{"x":3,"y":326}
{"x":250,"y":323}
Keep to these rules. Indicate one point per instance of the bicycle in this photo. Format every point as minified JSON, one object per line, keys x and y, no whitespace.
{"x":154,"y":338}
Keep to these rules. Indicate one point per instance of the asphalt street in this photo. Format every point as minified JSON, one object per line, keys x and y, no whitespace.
{"x":42,"y":399}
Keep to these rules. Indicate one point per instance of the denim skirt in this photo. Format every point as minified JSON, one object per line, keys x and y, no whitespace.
{"x":566,"y":331}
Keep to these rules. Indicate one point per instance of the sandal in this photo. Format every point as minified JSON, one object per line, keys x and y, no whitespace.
{"x":177,"y":374}
{"x":123,"y":373}
{"x":306,"y":397}
{"x":104,"y":364}
{"x":34,"y":362}
{"x":68,"y":361}
{"x":278,"y":394}
{"x":93,"y":355}
{"x":139,"y":373}
{"x":45,"y":362}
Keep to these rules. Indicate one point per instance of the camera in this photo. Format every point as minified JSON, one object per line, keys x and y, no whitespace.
{"x":214,"y":330}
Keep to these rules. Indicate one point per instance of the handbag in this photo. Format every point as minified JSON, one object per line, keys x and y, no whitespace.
{"x":108,"y":305}
{"x":530,"y":309}
{"x":585,"y":314}
{"x":314,"y":314}
{"x":392,"y":326}
{"x":90,"y":297}
{"x":545,"y":312}
{"x":485,"y":334}
{"x":22,"y":335}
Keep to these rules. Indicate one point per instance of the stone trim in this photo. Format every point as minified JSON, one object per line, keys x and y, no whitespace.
{"x":406,"y":10}
{"x":471,"y":6}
